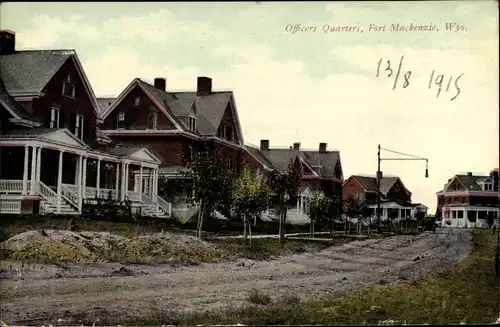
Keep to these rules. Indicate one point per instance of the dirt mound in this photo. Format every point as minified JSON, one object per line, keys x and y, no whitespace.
{"x":62,"y":245}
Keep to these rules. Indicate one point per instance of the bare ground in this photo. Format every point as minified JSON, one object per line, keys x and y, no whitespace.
{"x":38,"y":294}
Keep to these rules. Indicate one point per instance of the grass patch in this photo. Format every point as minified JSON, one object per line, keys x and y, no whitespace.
{"x":265,"y":248}
{"x":465,"y":293}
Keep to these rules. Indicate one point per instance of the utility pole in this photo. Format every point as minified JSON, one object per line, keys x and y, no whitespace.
{"x":379,"y":174}
{"x":379,"y":177}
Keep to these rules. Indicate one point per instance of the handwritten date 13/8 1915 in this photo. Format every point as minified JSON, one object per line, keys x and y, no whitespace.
{"x":436,"y":81}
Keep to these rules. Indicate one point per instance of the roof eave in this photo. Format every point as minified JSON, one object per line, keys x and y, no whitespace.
{"x":24,"y":122}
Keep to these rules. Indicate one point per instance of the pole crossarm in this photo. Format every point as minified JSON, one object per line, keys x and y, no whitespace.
{"x":411,"y":159}
{"x":403,"y":154}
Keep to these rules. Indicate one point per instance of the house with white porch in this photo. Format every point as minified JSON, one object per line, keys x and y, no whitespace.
{"x":468,"y":200}
{"x":53,"y":157}
{"x":395,"y":198}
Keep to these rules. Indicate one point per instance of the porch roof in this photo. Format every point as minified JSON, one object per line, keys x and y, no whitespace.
{"x":67,"y":141}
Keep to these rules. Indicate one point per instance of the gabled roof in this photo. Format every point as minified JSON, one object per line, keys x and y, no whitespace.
{"x":60,"y":136}
{"x":27,"y":72}
{"x":280,"y":159}
{"x":104,"y":103}
{"x":210,"y":107}
{"x":471,"y":182}
{"x":327,"y":160}
{"x":370,"y":183}
{"x":141,"y":153}
{"x":18,"y":112}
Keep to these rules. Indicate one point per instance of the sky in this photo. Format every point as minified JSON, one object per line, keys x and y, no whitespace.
{"x":299,"y":76}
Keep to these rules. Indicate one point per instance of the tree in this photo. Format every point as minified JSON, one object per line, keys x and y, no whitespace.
{"x":420,"y":214}
{"x":209,"y":182}
{"x":355,"y":207}
{"x":490,"y":219}
{"x":251,"y":196}
{"x":325,"y":210}
{"x":285,"y":187}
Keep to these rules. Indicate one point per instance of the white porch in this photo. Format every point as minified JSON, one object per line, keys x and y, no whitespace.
{"x":62,"y":172}
{"x":393,"y":211}
{"x":469,"y":216}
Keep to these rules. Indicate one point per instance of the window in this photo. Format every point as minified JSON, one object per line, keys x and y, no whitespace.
{"x":229,"y":133}
{"x":137,"y":101}
{"x":54,"y":118}
{"x":222,"y":131}
{"x":120,"y":120}
{"x":192,"y":123}
{"x":152,"y":120}
{"x":68,"y":87}
{"x":488,"y":187}
{"x":79,"y":127}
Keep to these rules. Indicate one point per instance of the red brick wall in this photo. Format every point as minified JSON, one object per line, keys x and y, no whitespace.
{"x":136,"y":117}
{"x":68,"y":106}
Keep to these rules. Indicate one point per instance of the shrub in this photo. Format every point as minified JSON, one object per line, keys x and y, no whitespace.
{"x":259,"y":298}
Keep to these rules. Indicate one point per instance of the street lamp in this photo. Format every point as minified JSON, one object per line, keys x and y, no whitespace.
{"x":379,"y":173}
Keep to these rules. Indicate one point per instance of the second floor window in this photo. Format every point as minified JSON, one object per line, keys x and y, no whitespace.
{"x":79,"y":127}
{"x":120,"y":120}
{"x":68,"y":87}
{"x":488,"y":187}
{"x":192,"y":123}
{"x":54,"y":118}
{"x":137,"y":101}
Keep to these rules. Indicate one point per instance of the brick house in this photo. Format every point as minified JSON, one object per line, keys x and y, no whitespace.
{"x":174,"y":124}
{"x":319,"y":170}
{"x":53,"y":156}
{"x":395,"y":198}
{"x":466,"y":200}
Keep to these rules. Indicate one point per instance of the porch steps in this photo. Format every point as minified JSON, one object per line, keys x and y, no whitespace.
{"x":66,"y":208}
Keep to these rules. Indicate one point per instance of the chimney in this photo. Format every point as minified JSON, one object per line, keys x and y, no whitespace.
{"x":7,"y":42}
{"x":296,"y":146}
{"x":469,"y":173}
{"x":161,"y":83}
{"x":204,"y":86}
{"x":322,"y":148}
{"x":264,"y":145}
{"x":494,"y":176}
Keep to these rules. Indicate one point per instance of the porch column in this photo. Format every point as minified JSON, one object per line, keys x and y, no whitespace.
{"x":33,"y":170}
{"x":79,"y":182}
{"x":151,"y":172}
{"x":98,"y":181}
{"x":127,"y":168}
{"x":84,"y":178}
{"x":298,"y":205}
{"x":59,"y":181}
{"x":122,"y":186}
{"x":155,"y":185}
{"x":25,"y":170}
{"x":140,"y":184}
{"x":38,"y":167}
{"x":117,"y":180}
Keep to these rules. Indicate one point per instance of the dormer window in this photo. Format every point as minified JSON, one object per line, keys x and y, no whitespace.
{"x":120,"y":121}
{"x":152,"y":120}
{"x":488,"y":187}
{"x":68,"y":87}
{"x":228,"y":133}
{"x":79,"y":127}
{"x":222,"y":131}
{"x":137,"y":101}
{"x":192,"y":123}
{"x":54,"y":118}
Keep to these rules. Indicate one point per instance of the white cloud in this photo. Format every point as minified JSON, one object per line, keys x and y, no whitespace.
{"x":47,"y":31}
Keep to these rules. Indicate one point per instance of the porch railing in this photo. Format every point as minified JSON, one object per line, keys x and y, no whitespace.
{"x":10,"y":206}
{"x":13,"y":185}
{"x":164,"y":205}
{"x":47,"y":193}
{"x":69,"y":195}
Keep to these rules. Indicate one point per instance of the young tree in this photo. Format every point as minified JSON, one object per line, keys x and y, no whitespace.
{"x":420,"y":214}
{"x":251,"y":196}
{"x":209,"y":182}
{"x":284,"y":187}
{"x":317,"y":209}
{"x":490,"y":219}
{"x":325,"y":210}
{"x":355,"y":207}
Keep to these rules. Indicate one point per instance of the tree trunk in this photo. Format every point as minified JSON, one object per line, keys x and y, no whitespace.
{"x":255,"y":220}
{"x":250,"y":233}
{"x":313,"y":229}
{"x":244,"y":229}
{"x":311,"y":232}
{"x":200,"y":221}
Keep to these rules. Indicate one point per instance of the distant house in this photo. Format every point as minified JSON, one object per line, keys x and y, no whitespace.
{"x":318,"y":170}
{"x":467,"y":200}
{"x":53,"y":155}
{"x":395,"y":198}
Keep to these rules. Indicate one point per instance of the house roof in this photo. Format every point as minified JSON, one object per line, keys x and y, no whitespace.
{"x":280,"y":159}
{"x":370,"y":183}
{"x":104,"y":103}
{"x":11,"y":105}
{"x":471,"y":182}
{"x":27,"y":72}
{"x":327,"y":161}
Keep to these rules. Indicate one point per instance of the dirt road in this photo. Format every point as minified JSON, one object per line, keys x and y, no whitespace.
{"x":39,"y":293}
